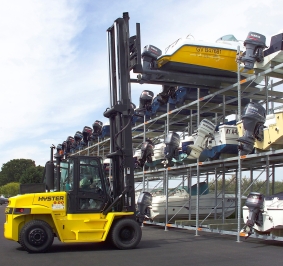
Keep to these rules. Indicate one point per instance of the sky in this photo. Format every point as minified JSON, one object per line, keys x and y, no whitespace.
{"x":53,"y":58}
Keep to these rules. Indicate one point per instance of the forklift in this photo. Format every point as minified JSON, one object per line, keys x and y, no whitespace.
{"x":76,"y":202}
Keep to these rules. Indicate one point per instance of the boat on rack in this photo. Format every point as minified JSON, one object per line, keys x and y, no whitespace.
{"x":208,"y":143}
{"x":201,"y":57}
{"x":182,"y":203}
{"x":272,"y":135}
{"x":206,"y":64}
{"x":223,"y":144}
{"x":262,"y":132}
{"x":263,"y":214}
{"x":273,"y":56}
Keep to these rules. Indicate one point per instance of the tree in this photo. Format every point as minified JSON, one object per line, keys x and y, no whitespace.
{"x":246,"y":186}
{"x":32,"y":175}
{"x":11,"y":189}
{"x":13,"y":170}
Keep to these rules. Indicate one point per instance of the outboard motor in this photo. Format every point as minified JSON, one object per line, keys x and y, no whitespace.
{"x":97,"y":129}
{"x":146,"y":152}
{"x":167,"y":91}
{"x":254,"y":202}
{"x":253,"y":123}
{"x":69,"y":144}
{"x":77,"y":143}
{"x":78,"y":136}
{"x":276,"y":44}
{"x":172,"y":142}
{"x":87,"y":131}
{"x":149,"y":56}
{"x":143,"y":204}
{"x":59,"y":149}
{"x":205,"y":132}
{"x":254,"y":43}
{"x":146,"y":100}
{"x":64,"y":147}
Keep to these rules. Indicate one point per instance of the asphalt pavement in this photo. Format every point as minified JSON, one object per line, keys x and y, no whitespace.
{"x":157,"y":247}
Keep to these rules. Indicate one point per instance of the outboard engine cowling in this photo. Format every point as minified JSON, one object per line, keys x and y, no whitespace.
{"x":78,"y":136}
{"x":59,"y":149}
{"x":149,"y":56}
{"x":69,"y":144}
{"x":276,"y":44}
{"x":254,"y":43}
{"x":143,"y":203}
{"x":77,"y":143}
{"x":253,"y":118}
{"x":87,"y":131}
{"x":146,"y":100}
{"x":146,"y":152}
{"x":97,"y":129}
{"x":64,"y":147}
{"x":205,"y":131}
{"x":172,"y":142}
{"x":167,"y":91}
{"x":254,"y":202}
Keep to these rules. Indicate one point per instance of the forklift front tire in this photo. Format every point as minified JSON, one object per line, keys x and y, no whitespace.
{"x":36,"y":236}
{"x":126,"y":234}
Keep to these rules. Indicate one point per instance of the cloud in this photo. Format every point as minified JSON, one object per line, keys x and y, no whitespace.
{"x":54,"y":76}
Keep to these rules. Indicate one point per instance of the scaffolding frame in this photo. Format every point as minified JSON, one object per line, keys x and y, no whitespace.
{"x":180,"y":121}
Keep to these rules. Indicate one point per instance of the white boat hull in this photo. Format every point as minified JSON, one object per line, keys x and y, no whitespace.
{"x":182,"y":207}
{"x":272,"y":217}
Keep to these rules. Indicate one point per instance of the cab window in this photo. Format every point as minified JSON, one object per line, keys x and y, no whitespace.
{"x":67,"y":176}
{"x":90,"y":178}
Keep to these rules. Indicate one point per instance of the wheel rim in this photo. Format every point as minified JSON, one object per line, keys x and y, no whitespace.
{"x":37,"y":237}
{"x":127,"y":234}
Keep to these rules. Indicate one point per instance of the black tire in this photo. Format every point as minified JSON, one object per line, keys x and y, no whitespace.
{"x":36,"y":236}
{"x":126,"y":234}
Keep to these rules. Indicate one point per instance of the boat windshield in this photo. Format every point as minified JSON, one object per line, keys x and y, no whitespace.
{"x":171,"y":191}
{"x":229,"y":38}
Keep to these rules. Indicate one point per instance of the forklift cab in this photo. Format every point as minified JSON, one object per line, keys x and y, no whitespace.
{"x":83,"y":179}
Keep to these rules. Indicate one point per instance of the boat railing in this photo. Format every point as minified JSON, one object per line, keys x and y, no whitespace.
{"x":172,"y":45}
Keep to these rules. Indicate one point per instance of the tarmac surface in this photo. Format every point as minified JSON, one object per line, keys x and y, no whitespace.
{"x":157,"y":247}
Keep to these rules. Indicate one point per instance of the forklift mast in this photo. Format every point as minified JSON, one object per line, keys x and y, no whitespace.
{"x":120,"y":49}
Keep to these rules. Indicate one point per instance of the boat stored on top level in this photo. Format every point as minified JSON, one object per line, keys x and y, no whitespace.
{"x":202,"y":63}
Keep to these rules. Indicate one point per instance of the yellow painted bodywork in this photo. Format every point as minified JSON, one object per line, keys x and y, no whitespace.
{"x":51,"y":208}
{"x":272,"y":135}
{"x":202,"y":56}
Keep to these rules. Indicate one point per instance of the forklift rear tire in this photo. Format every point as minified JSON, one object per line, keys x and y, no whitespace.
{"x":36,"y":236}
{"x":126,"y":234}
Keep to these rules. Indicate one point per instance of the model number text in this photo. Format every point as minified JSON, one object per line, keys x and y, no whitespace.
{"x":208,"y":50}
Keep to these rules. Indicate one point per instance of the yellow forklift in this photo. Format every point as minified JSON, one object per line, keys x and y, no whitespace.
{"x":76,"y":202}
